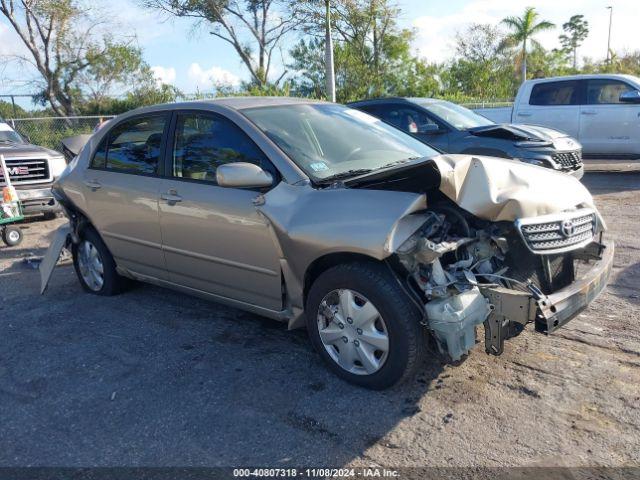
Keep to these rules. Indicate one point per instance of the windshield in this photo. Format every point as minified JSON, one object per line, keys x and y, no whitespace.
{"x":460,"y":117}
{"x":328,"y":140}
{"x":7,"y":135}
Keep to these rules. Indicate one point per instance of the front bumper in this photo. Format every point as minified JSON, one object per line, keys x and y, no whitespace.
{"x":549,"y":312}
{"x":552,"y":159}
{"x":579,"y":173}
{"x":561,"y":306}
{"x":37,"y":200}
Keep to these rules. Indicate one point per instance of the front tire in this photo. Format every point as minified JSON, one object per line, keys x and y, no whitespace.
{"x":94,"y":265}
{"x":12,"y":236}
{"x":363,"y":325}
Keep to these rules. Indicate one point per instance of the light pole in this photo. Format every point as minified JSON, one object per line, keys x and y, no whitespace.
{"x":609,"y":37}
{"x":328,"y":56}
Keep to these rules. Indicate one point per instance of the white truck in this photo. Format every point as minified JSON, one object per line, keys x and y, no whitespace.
{"x":602,"y":111}
{"x":32,"y":170}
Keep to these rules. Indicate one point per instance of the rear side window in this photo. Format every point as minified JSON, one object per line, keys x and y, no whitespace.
{"x":602,"y":92}
{"x":555,"y":93}
{"x":133,"y":146}
{"x":204,"y":141}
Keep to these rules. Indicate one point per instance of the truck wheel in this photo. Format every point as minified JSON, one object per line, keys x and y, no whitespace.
{"x":95,"y":266}
{"x":363,"y":325}
{"x":12,"y":236}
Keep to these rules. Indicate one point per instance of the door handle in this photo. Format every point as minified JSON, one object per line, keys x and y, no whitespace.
{"x":589,"y":112}
{"x":171,"y":197}
{"x":93,"y":184}
{"x":524,"y":114}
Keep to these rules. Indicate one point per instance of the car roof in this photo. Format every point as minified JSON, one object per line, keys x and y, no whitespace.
{"x":233,"y":103}
{"x":240,"y":103}
{"x":414,"y":100}
{"x":586,"y":76}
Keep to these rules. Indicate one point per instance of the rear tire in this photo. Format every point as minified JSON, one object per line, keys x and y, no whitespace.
{"x":12,"y":236}
{"x":95,"y":266}
{"x":345,"y":348}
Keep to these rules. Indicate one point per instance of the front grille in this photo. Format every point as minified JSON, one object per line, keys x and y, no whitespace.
{"x":568,"y":160}
{"x":27,"y":170}
{"x":558,"y":233}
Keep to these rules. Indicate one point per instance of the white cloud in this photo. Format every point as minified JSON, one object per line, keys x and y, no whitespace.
{"x":435,"y":37}
{"x":202,"y":79}
{"x":164,"y":74}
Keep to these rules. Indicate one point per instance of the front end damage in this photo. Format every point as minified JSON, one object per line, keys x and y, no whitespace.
{"x":467,"y":271}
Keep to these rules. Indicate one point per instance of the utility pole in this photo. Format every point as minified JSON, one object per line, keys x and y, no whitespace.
{"x":609,"y":38}
{"x":328,"y":56}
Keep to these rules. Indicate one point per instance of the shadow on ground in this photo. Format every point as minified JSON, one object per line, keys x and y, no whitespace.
{"x":153,"y":377}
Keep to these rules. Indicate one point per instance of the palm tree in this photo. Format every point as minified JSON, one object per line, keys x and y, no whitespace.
{"x":522,"y":30}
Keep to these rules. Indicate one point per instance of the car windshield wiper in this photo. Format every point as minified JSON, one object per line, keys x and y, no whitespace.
{"x":363,"y":171}
{"x":345,"y":174}
{"x":398,"y":162}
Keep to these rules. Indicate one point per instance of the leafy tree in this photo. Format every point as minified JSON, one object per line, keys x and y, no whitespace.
{"x":254,"y":28}
{"x":64,"y":46}
{"x":548,"y":63}
{"x":627,"y":63}
{"x":372,"y":55}
{"x":482,"y":68}
{"x":7,"y":110}
{"x":576,"y":31}
{"x":143,"y":95}
{"x":522,"y":29}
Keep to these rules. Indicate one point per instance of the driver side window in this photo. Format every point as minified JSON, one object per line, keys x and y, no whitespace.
{"x":410,"y":120}
{"x":204,"y":141}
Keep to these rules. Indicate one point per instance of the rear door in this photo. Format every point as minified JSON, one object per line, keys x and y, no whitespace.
{"x":608,"y":126}
{"x":122,"y":185}
{"x":214,"y":238}
{"x":553,"y":104}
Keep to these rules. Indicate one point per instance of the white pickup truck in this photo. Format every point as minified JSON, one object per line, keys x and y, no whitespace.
{"x":601,"y":111}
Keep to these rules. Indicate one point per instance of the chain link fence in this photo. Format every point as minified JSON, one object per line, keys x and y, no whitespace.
{"x":49,"y":131}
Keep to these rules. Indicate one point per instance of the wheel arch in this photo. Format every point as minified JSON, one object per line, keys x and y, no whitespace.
{"x":325,"y":262}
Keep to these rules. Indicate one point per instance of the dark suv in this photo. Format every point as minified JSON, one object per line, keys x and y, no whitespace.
{"x":455,"y":129}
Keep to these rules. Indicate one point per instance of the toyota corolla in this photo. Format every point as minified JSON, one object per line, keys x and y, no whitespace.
{"x":322,"y":216}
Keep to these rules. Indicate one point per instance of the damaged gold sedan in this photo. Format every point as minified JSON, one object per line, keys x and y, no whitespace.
{"x":323,"y":216}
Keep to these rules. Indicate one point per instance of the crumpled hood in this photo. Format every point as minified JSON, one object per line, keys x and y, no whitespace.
{"x":76,"y":143}
{"x":518,"y":132}
{"x":537,"y":130}
{"x":497,"y":189}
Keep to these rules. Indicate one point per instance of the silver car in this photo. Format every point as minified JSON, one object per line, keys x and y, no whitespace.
{"x":322,"y":216}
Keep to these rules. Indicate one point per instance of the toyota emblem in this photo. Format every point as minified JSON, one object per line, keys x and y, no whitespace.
{"x":568,"y":228}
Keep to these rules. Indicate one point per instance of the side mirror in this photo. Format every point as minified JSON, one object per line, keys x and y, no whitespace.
{"x":430,"y":129}
{"x":243,"y":175}
{"x":630,"y":96}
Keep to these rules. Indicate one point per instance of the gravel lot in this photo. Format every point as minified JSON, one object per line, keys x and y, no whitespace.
{"x":156,"y":378}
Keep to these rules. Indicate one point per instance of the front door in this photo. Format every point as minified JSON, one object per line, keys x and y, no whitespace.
{"x":607,"y":125}
{"x":122,"y":185}
{"x":214,"y":238}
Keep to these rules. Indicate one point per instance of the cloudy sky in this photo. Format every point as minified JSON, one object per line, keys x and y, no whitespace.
{"x":194,"y":60}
